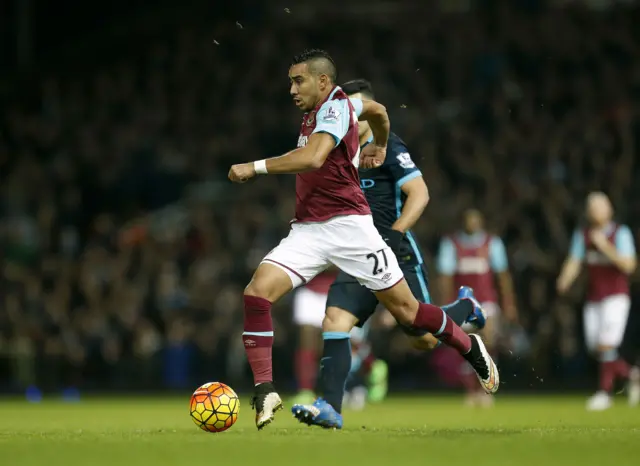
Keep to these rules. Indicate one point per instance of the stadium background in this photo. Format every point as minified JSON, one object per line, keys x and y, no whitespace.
{"x":124,"y":250}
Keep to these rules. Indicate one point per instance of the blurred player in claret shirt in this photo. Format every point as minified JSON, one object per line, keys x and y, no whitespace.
{"x":333,"y":226}
{"x":309,"y":304}
{"x":609,"y":252}
{"x":472,"y":257}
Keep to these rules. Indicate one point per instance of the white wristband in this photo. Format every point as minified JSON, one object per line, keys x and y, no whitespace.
{"x":260,"y":166}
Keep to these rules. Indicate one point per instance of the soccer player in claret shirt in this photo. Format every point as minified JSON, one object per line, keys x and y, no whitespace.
{"x":475,"y":258}
{"x":333,"y":225}
{"x":609,"y":252}
{"x":397,"y":195}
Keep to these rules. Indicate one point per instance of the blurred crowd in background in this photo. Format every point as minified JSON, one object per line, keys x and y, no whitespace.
{"x":124,"y":251}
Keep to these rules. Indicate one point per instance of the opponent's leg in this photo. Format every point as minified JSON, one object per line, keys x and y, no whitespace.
{"x":269,"y":283}
{"x":334,"y":370}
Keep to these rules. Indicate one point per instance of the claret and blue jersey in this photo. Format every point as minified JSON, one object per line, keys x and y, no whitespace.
{"x":623,"y":242}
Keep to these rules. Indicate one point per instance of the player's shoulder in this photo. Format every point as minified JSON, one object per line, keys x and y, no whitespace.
{"x":622,"y":227}
{"x":623,"y":232}
{"x":334,"y":108}
{"x":398,"y":153}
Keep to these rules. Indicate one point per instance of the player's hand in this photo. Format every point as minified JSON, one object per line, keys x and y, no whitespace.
{"x":393,"y":238}
{"x":599,"y":239}
{"x":242,"y":172}
{"x":372,"y":156}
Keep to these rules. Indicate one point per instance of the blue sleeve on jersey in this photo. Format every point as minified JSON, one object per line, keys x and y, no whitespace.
{"x":446,"y":263}
{"x":357,"y":106}
{"x":400,"y":165}
{"x":498,"y":255}
{"x":333,"y":118}
{"x":624,"y":242}
{"x":577,"y":246}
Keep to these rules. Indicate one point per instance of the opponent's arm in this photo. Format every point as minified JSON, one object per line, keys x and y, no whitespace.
{"x":417,"y":199}
{"x":572,"y":265}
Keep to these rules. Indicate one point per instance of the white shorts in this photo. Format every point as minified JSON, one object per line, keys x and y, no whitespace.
{"x":350,"y":242}
{"x":309,"y":307}
{"x":606,"y":321}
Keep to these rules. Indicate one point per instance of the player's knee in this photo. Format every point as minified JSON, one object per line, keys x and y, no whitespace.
{"x":404,"y":312}
{"x":338,"y":320}
{"x":400,"y":303}
{"x":269,"y":283}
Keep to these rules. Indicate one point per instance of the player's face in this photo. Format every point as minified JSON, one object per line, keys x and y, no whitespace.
{"x":599,"y":210}
{"x":472,"y":221}
{"x":363,"y":126}
{"x":306,"y":88}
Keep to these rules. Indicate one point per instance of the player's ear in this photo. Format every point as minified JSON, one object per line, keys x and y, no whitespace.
{"x":325,"y":82}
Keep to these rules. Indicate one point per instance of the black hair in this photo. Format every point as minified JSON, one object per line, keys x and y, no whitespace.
{"x":361,"y":86}
{"x":320,"y":62}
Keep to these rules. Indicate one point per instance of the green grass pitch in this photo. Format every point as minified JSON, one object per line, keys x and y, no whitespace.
{"x":434,"y":430}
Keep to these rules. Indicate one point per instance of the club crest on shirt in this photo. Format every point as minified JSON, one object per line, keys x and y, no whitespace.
{"x":331,"y":115}
{"x":311,"y":119}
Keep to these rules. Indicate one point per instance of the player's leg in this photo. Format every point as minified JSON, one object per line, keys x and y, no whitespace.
{"x":347,"y":303}
{"x":294,"y":261}
{"x":373,"y":264}
{"x":334,"y":370}
{"x":614,"y":312}
{"x":475,"y":395}
{"x":308,"y":313}
{"x":463,"y":311}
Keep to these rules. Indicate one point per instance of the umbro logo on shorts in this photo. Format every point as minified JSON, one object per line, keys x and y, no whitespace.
{"x":386,"y":277}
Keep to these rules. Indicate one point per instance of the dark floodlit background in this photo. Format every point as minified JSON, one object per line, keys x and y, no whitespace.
{"x":124,"y":250}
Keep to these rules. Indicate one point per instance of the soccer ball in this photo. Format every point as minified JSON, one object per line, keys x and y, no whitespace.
{"x":214,"y":407}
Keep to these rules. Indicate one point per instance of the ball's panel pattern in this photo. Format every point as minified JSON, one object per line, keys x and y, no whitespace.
{"x":214,"y":407}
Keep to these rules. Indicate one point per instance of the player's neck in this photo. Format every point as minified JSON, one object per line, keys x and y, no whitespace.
{"x":323,"y":96}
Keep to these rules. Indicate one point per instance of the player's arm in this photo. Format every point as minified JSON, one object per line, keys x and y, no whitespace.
{"x":417,"y":199}
{"x":376,"y":115}
{"x":573,"y":264}
{"x":446,"y":266}
{"x":303,"y":159}
{"x":500,"y":266}
{"x":374,"y":154}
{"x":622,"y":254}
{"x":332,"y":124}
